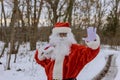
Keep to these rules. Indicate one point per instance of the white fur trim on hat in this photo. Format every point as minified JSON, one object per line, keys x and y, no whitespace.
{"x":61,"y":30}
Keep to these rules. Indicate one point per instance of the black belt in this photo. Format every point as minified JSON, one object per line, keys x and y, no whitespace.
{"x":67,"y":79}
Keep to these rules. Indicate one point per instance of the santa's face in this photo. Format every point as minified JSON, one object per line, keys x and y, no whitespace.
{"x":62,"y":43}
{"x":62,"y":36}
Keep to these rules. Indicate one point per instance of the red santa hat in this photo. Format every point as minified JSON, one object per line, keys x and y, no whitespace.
{"x":61,"y":27}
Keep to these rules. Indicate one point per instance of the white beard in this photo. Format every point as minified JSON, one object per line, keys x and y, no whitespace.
{"x":62,"y":45}
{"x":61,"y":49}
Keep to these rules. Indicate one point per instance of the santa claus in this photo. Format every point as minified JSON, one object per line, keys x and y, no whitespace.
{"x":63,"y":58}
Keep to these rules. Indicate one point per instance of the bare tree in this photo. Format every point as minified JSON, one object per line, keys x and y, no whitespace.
{"x":113,"y":24}
{"x":53,"y":5}
{"x":100,"y":13}
{"x":12,"y":25}
{"x":69,"y":10}
{"x":35,"y":20}
{"x":28,"y":12}
{"x":60,"y":10}
{"x":3,"y":17}
{"x":3,"y":12}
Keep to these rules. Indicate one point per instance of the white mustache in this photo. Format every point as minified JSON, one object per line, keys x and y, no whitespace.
{"x":63,"y":38}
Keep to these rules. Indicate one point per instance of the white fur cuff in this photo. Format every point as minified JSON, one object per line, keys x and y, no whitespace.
{"x":49,"y":50}
{"x":41,"y":56}
{"x":94,"y":44}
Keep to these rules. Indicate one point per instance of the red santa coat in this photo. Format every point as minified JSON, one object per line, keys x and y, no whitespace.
{"x":73,"y":63}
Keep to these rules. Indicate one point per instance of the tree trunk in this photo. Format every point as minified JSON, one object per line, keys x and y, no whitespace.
{"x":3,"y":11}
{"x":68,"y":15}
{"x":28,"y":12}
{"x":1,"y":24}
{"x":2,"y":51}
{"x":12,"y":25}
{"x":35,"y":25}
{"x":33,"y":30}
{"x":15,"y":52}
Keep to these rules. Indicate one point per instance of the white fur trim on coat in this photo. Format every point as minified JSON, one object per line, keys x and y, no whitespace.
{"x":42,"y":53}
{"x":49,"y":50}
{"x":41,"y":56}
{"x":58,"y":69}
{"x":61,"y":30}
{"x":94,"y":44}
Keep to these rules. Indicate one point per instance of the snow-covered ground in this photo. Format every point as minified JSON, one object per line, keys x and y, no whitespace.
{"x":26,"y":68}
